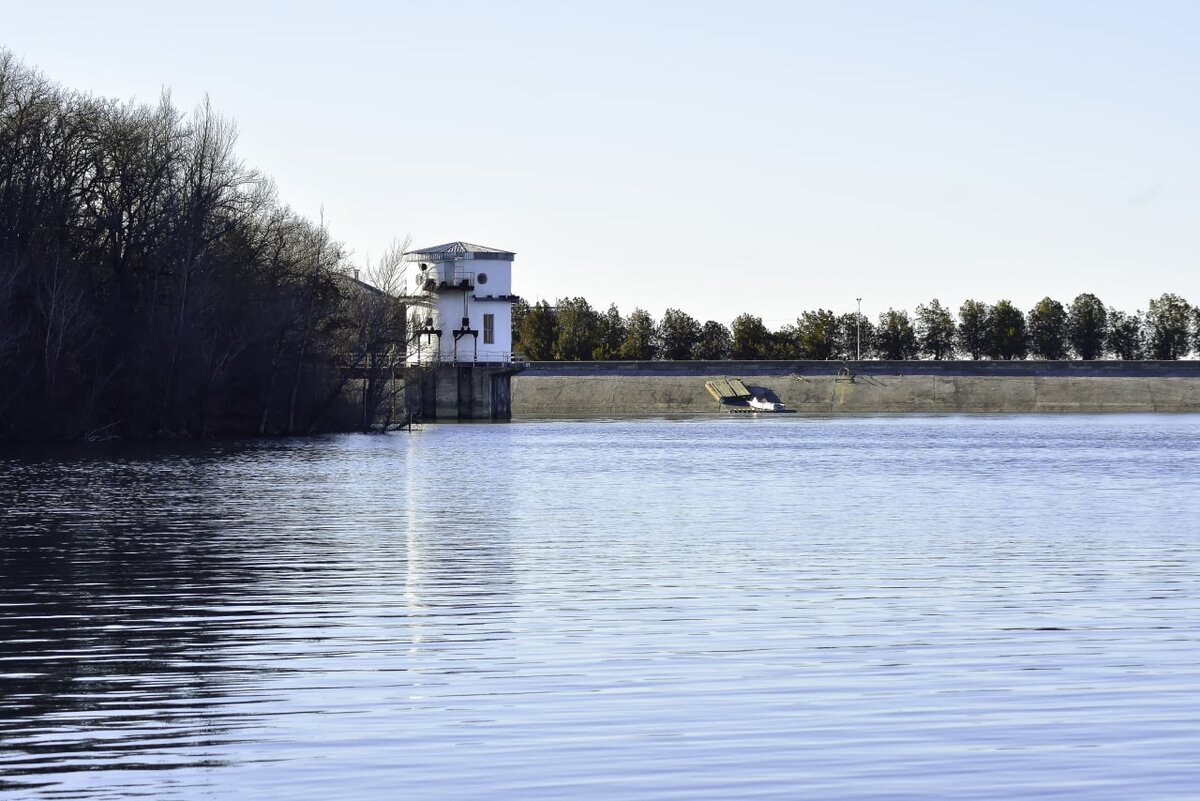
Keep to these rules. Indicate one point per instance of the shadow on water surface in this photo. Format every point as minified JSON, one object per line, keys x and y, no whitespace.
{"x":120,"y":593}
{"x":161,"y":605}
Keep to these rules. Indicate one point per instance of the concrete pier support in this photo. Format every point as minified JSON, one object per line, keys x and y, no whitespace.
{"x":460,"y":391}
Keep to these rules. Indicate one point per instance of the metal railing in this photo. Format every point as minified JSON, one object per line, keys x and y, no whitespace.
{"x":451,"y":279}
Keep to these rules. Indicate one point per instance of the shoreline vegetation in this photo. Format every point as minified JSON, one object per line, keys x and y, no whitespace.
{"x":613,"y":389}
{"x":1084,"y":329}
{"x":154,"y":286}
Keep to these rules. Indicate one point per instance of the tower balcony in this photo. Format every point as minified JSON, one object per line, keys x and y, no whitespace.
{"x":449,"y":281}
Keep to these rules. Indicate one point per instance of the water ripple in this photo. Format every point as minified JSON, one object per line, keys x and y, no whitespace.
{"x":899,"y":608}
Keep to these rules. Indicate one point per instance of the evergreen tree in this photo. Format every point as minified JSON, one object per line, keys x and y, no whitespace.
{"x":785,"y":343}
{"x":896,"y":337}
{"x":751,"y":339}
{"x":973,"y":330}
{"x":1196,"y":329}
{"x":818,"y":335}
{"x":1124,"y":338}
{"x":578,"y":330}
{"x":611,"y":334}
{"x":1047,"y":330}
{"x":715,"y":342}
{"x":1007,"y":335}
{"x":678,"y":335}
{"x":855,"y":334}
{"x":639,"y":344}
{"x":520,"y":308}
{"x":1087,"y":326}
{"x":1167,"y":327}
{"x":537,"y":333}
{"x":935,"y":330}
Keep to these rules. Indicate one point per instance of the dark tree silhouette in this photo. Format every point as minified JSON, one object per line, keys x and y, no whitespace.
{"x":1047,"y":329}
{"x":1124,"y":339}
{"x":1087,"y":326}
{"x":640,"y":337}
{"x":150,"y":283}
{"x":1167,"y":327}
{"x":935,"y":330}
{"x":973,"y":333}
{"x":579,"y":329}
{"x":537,"y":332}
{"x":715,"y":342}
{"x":1007,"y":334}
{"x":896,"y":338}
{"x":678,"y":334}
{"x":817,"y":334}
{"x":611,"y":335}
{"x":751,"y":339}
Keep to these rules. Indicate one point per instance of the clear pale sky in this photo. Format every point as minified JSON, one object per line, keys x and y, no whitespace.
{"x":718,"y":157}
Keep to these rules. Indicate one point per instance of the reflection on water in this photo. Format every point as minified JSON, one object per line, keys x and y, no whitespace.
{"x":833,"y":608}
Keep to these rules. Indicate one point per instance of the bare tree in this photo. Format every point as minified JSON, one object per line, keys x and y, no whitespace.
{"x":150,"y":283}
{"x":213,"y":185}
{"x":378,"y":343}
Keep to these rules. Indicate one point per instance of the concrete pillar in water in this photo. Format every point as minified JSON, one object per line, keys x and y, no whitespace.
{"x":460,"y":392}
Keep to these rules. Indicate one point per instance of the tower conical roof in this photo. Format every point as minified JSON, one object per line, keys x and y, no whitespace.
{"x":452,"y":250}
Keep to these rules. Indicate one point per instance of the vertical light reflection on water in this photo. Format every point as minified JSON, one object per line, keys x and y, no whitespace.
{"x":859,"y":608}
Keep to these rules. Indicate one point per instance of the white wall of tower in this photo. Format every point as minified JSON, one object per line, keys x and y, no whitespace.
{"x":491,"y":295}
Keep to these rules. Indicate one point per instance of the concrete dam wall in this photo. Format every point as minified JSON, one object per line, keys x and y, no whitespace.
{"x":618,"y":389}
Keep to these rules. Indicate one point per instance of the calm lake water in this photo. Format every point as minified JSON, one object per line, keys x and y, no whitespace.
{"x":866,"y":608}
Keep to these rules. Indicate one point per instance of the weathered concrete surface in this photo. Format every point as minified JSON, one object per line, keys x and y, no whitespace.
{"x":608,"y":389}
{"x":459,"y":392}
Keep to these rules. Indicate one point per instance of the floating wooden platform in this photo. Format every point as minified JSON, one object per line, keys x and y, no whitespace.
{"x":725,"y":390}
{"x":734,"y":396}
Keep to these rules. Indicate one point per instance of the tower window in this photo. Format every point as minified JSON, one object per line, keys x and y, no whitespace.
{"x":489,"y":329}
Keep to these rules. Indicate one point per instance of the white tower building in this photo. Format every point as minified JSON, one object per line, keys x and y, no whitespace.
{"x":460,"y":304}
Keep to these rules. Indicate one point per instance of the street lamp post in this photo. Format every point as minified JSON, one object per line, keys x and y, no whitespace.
{"x":858,"y":332}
